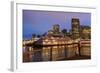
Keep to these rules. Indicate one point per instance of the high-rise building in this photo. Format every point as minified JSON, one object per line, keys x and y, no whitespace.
{"x":75,"y":28}
{"x":56,"y":28}
{"x":85,"y":32}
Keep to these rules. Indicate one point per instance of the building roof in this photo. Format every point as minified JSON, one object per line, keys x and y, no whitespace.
{"x":52,"y":39}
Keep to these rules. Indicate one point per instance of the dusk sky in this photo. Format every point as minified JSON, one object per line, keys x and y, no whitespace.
{"x":39,"y":22}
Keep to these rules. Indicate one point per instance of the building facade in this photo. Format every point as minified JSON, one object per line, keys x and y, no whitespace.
{"x":75,"y":28}
{"x":85,"y":32}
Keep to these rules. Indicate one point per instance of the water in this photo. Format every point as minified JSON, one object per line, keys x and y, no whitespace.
{"x":54,"y":53}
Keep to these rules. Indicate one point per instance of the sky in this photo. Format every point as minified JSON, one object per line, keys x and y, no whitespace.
{"x":38,"y":22}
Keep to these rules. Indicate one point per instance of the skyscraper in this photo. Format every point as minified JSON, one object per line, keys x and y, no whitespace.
{"x":56,"y":28}
{"x":75,"y":28}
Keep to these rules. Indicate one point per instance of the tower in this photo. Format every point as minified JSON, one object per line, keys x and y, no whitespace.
{"x":75,"y":28}
{"x":56,"y":28}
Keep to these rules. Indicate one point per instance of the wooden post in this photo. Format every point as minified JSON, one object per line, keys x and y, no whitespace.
{"x":51,"y":54}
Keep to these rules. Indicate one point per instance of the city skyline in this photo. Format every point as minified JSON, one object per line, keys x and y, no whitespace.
{"x":39,"y":22}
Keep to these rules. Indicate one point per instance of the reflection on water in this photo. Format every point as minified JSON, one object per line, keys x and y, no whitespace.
{"x":48,"y":53}
{"x":54,"y":53}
